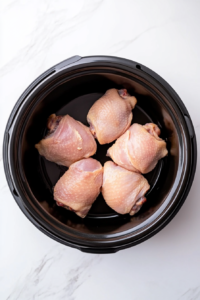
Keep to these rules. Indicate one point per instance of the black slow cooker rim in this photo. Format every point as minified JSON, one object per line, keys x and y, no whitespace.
{"x":69,"y":64}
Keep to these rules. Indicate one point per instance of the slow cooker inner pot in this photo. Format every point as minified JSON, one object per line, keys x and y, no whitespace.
{"x":75,"y":97}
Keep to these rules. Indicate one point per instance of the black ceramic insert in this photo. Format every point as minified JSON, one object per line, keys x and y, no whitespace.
{"x":71,"y":87}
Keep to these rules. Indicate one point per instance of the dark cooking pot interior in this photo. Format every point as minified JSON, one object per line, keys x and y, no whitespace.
{"x":75,"y":97}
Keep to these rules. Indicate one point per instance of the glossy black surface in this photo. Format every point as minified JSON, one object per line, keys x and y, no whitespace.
{"x":73,"y":89}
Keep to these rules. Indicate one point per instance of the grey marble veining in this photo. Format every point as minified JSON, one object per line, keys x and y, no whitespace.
{"x":164,"y":36}
{"x":37,"y":284}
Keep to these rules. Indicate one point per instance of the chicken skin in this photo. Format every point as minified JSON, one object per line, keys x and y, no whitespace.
{"x":67,"y":141}
{"x":123,"y":191}
{"x":139,"y":148}
{"x":111,"y":115}
{"x":79,"y":187}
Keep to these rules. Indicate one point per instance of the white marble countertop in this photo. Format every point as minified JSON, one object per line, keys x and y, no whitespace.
{"x":164,"y":36}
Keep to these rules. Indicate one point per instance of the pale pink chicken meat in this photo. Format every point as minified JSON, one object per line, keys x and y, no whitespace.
{"x":111,"y":115}
{"x":124,"y":191}
{"x":79,"y":187}
{"x":67,"y":142}
{"x":139,"y":148}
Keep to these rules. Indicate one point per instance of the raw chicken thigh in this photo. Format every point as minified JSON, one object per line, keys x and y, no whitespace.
{"x":139,"y":148}
{"x":111,"y":115}
{"x":78,"y":188}
{"x":123,"y":191}
{"x":67,"y":142}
